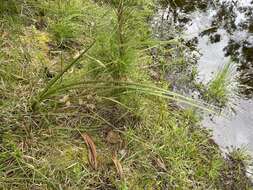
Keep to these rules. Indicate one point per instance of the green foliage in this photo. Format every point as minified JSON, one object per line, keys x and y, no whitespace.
{"x":219,"y":88}
{"x":64,"y":31}
{"x":120,"y":39}
{"x":9,"y":7}
{"x":166,"y":144}
{"x":66,"y":19}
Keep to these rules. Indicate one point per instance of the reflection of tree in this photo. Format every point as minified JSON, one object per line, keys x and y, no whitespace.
{"x":177,"y":12}
{"x":186,"y":6}
{"x":227,"y":18}
{"x":241,"y":52}
{"x":239,"y":49}
{"x":246,"y":70}
{"x":180,"y":8}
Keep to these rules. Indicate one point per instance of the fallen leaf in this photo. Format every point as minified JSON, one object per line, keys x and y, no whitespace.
{"x":118,"y":166}
{"x":113,"y":137}
{"x":92,"y":150}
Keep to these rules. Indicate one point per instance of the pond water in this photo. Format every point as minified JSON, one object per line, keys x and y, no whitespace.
{"x":220,"y":31}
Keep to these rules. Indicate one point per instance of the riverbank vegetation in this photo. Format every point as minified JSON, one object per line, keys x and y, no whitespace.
{"x":80,"y":107}
{"x":220,"y":87}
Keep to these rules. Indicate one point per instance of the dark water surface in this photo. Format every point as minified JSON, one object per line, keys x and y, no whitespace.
{"x":219,"y":31}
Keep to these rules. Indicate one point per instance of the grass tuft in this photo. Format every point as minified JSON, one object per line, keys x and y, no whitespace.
{"x":219,"y":89}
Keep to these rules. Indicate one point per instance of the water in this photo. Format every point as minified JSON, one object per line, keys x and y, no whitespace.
{"x":222,"y":32}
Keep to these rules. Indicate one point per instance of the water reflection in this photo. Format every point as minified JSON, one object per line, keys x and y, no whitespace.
{"x":222,"y":30}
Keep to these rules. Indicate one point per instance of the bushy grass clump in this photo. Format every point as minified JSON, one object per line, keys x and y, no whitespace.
{"x":219,"y":89}
{"x":66,"y":20}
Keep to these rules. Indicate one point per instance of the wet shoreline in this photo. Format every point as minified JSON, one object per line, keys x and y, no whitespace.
{"x":218,"y":32}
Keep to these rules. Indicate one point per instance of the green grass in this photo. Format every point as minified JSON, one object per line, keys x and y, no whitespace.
{"x":219,"y":89}
{"x":106,"y":89}
{"x":66,"y":21}
{"x":9,"y":7}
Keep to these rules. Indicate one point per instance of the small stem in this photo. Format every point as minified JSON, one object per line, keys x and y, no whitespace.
{"x":120,"y":18}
